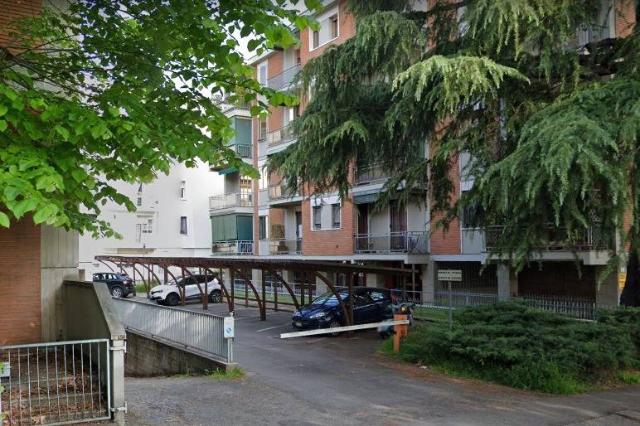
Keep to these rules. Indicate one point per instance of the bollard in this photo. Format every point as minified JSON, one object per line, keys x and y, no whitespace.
{"x":400,"y":330}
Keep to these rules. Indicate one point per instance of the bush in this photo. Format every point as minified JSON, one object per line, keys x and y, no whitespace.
{"x":513,"y":344}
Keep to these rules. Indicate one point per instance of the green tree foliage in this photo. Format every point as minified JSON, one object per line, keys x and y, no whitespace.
{"x":552,"y":125}
{"x":121,"y":90}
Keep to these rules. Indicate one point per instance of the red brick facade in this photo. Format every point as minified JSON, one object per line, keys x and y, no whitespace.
{"x":20,"y":313}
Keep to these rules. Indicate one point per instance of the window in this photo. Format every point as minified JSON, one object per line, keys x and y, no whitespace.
{"x":317,"y":217}
{"x":329,"y":29}
{"x":262,"y":222}
{"x":335,"y":216}
{"x":183,"y":225}
{"x":471,"y":215}
{"x":139,"y":199}
{"x":147,"y":228}
{"x":262,"y":73}
{"x":333,"y":26}
{"x":262,"y":130}
{"x":183,"y":190}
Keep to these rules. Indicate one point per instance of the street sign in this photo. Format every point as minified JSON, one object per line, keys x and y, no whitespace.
{"x":450,"y":275}
{"x":229,"y":328}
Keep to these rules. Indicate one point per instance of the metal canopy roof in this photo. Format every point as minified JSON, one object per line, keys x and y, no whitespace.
{"x":253,"y":262}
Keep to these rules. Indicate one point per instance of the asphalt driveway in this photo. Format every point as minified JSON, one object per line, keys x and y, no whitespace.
{"x":324,"y":380}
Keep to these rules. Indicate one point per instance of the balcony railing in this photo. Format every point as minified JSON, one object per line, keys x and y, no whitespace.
{"x":243,"y":151}
{"x":285,"y":246}
{"x":393,"y":242}
{"x":371,"y":173}
{"x":232,"y":247}
{"x":279,"y":191}
{"x":282,"y":135}
{"x":558,"y":239}
{"x":284,"y":79}
{"x":225,"y":201}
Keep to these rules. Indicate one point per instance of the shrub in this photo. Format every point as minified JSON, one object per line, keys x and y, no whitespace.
{"x":513,"y":344}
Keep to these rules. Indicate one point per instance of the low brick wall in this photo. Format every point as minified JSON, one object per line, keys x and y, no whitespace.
{"x":147,"y":357}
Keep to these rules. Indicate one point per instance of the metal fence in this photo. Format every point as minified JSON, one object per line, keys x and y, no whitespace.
{"x":461,"y":299}
{"x":565,"y":305}
{"x":55,"y":383}
{"x":203,"y":332}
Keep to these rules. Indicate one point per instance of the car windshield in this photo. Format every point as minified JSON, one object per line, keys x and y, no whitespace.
{"x":329,"y":299}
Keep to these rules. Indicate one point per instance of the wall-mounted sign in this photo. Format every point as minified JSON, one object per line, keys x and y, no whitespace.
{"x":450,"y":275}
{"x":229,"y":328}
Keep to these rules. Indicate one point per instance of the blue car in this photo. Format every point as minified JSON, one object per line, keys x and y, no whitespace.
{"x":371,"y":305}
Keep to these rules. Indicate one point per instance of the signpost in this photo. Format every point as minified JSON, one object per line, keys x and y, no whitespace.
{"x":450,"y":275}
{"x":228,"y":327}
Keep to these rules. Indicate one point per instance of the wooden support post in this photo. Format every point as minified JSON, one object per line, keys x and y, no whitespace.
{"x":351,"y":301}
{"x":205,"y":296}
{"x":302,"y":291}
{"x":233,"y":288}
{"x":246,"y":293}
{"x":263,"y":311}
{"x":274,"y":289}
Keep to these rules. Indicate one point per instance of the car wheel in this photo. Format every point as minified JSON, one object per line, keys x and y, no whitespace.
{"x":172,"y":299}
{"x":215,"y":296}
{"x":117,"y":291}
{"x":334,"y":324}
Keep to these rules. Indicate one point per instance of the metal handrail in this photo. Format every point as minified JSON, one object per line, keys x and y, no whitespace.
{"x":233,"y":199}
{"x":280,"y":136}
{"x":232,"y":247}
{"x":412,"y":242}
{"x":284,"y":79}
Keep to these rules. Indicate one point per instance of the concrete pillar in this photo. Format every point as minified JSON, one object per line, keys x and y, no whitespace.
{"x":607,"y":291}
{"x":504,"y":281}
{"x":375,"y":280}
{"x":117,"y":386}
{"x":429,"y":277}
{"x":321,"y":287}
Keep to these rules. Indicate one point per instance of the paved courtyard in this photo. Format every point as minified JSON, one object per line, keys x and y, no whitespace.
{"x":325,"y":380}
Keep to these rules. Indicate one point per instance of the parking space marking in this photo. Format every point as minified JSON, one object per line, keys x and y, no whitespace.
{"x":272,"y":327}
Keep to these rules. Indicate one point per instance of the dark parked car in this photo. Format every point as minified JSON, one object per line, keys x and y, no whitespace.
{"x":120,"y":285}
{"x":370,"y":305}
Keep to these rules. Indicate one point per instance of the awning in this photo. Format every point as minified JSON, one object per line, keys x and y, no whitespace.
{"x":366,"y":198}
{"x":228,"y":171}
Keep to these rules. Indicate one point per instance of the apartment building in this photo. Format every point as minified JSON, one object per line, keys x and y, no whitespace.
{"x":171,"y":219}
{"x":324,"y":227}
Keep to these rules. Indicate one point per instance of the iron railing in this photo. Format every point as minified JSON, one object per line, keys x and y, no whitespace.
{"x":243,"y":151}
{"x":576,"y":307}
{"x":282,"y":135}
{"x":235,"y":199}
{"x":284,"y":79}
{"x":203,"y":332}
{"x":285,"y":246}
{"x":557,"y":239}
{"x":55,"y":383}
{"x":280,"y":191}
{"x":411,"y":242}
{"x":233,"y":247}
{"x":370,"y":173}
{"x":460,"y":299}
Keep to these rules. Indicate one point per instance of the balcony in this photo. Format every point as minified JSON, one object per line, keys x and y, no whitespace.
{"x":226,"y":201}
{"x":370,"y":173}
{"x":280,"y":191}
{"x":234,"y":247}
{"x":557,"y":239}
{"x":409,"y":242}
{"x":277,"y":247}
{"x":284,"y":79}
{"x":243,"y":151}
{"x":281,"y":136}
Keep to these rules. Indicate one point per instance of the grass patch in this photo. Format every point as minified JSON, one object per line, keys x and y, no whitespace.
{"x":512,"y":344}
{"x":140,"y":289}
{"x":432,"y":314}
{"x":236,"y":373}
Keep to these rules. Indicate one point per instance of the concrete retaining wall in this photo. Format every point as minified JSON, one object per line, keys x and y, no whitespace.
{"x":151,"y":357}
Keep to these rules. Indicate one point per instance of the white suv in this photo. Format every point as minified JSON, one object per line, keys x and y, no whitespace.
{"x":169,"y":294}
